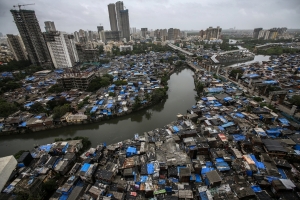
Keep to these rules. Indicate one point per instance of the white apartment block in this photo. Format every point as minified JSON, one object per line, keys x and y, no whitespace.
{"x":62,"y":49}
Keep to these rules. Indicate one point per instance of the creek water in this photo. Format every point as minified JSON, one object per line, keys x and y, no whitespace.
{"x":181,"y":96}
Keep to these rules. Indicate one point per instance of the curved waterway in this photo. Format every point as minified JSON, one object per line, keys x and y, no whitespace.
{"x":181,"y":96}
{"x":257,"y":58}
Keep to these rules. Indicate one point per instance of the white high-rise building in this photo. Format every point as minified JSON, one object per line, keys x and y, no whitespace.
{"x":266,"y":36}
{"x":261,"y":34}
{"x":62,"y":49}
{"x":76,"y":36}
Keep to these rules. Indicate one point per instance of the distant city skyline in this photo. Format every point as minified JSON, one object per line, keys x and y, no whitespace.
{"x":72,"y":15}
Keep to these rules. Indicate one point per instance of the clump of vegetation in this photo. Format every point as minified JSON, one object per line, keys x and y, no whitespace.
{"x":137,"y":103}
{"x":85,"y":101}
{"x":295,"y":100}
{"x":159,"y":94}
{"x":8,"y":84}
{"x":277,"y":51}
{"x":199,"y":88}
{"x":120,"y":82}
{"x":258,"y":99}
{"x":234,"y":72}
{"x":60,"y":111}
{"x":55,"y":89}
{"x":100,"y":82}
{"x":7,"y":108}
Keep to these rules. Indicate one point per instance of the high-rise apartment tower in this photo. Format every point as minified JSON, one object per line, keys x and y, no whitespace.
{"x":112,"y":17}
{"x":32,"y":36}
{"x":17,"y":47}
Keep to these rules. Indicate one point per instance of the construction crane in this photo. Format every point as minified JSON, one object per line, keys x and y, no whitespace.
{"x":23,"y":5}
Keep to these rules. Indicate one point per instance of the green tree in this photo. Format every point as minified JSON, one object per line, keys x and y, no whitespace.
{"x":137,"y":103}
{"x":82,"y":103}
{"x":57,"y":102}
{"x":120,"y":82}
{"x":158,"y":94}
{"x":15,"y":65}
{"x":258,"y":99}
{"x":199,"y":88}
{"x":101,"y":49}
{"x":8,"y":84}
{"x":50,"y":186}
{"x":111,"y":94}
{"x":18,"y":154}
{"x":7,"y":108}
{"x":147,"y":96}
{"x":199,"y":58}
{"x":295,"y":100}
{"x":234,"y":72}
{"x":59,"y":111}
{"x":56,"y":88}
{"x":181,"y":57}
{"x":37,"y":108}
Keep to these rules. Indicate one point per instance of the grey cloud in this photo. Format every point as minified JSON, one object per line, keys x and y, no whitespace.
{"x":71,"y":15}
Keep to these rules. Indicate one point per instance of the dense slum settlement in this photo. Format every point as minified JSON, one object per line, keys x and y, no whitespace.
{"x":140,"y":73}
{"x":217,"y":150}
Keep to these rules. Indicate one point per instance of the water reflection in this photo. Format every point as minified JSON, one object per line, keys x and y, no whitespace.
{"x":180,"y":98}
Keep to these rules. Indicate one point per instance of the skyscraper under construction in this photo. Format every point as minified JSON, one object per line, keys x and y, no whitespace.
{"x":32,"y":36}
{"x":119,"y":19}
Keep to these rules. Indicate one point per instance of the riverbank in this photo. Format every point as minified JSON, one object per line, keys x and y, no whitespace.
{"x":180,"y":96}
{"x":105,"y":118}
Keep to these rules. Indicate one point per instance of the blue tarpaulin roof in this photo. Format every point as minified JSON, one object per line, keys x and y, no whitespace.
{"x":209,"y":164}
{"x":270,"y":82}
{"x":227,"y":98}
{"x":143,"y":178}
{"x":251,"y":75}
{"x":131,"y":151}
{"x":203,"y":195}
{"x":100,"y":102}
{"x":284,"y":121}
{"x":240,"y":115}
{"x":239,"y":137}
{"x":215,"y":90}
{"x":274,"y":133}
{"x":258,"y":164}
{"x":271,"y":178}
{"x":28,"y":104}
{"x":221,"y":128}
{"x":94,"y":109}
{"x":23,"y":124}
{"x":228,"y":124}
{"x":261,"y":133}
{"x":85,"y":167}
{"x":204,"y":170}
{"x":176,"y":129}
{"x":256,"y":188}
{"x":282,"y":173}
{"x":196,"y":178}
{"x":222,"y":166}
{"x":46,"y":147}
{"x":150,"y":168}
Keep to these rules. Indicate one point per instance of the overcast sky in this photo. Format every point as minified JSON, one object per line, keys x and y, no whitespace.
{"x":72,"y":15}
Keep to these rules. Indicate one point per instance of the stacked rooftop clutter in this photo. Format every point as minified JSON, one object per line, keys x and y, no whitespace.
{"x":133,"y":76}
{"x":225,"y":147}
{"x":281,"y":71}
